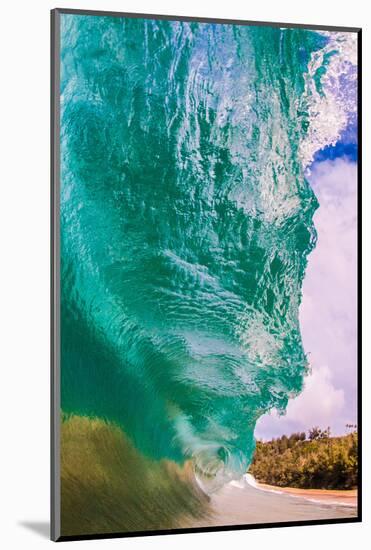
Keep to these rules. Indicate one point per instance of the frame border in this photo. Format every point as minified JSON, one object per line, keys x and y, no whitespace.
{"x":55,"y":491}
{"x":196,"y":19}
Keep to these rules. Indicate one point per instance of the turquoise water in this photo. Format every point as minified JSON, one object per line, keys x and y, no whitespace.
{"x":186,"y":224}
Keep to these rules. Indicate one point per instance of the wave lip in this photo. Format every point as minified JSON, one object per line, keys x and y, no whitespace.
{"x":330,"y":95}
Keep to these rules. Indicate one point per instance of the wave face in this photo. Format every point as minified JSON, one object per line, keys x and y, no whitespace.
{"x":186,"y":223}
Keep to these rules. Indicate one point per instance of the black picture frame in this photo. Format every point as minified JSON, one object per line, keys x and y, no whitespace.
{"x":55,"y":276}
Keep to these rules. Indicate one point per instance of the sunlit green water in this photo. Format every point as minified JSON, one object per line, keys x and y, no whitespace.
{"x":186,"y":223}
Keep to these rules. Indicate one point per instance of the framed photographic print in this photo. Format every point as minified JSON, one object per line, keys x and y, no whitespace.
{"x":205,"y":274}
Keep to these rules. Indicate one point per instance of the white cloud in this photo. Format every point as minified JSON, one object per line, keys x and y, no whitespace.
{"x":318,"y":405}
{"x":328,"y":313}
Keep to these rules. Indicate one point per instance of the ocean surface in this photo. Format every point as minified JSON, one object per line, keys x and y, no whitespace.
{"x":186,"y":225}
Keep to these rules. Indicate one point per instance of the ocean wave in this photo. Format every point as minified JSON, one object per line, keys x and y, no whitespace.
{"x":186,"y":223}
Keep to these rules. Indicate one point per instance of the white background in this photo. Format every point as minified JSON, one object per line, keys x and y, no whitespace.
{"x":24,"y":301}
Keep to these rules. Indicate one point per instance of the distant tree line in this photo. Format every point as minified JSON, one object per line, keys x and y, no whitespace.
{"x":318,"y":461}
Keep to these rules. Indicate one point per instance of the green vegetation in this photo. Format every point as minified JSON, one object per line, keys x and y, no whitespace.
{"x":318,"y":461}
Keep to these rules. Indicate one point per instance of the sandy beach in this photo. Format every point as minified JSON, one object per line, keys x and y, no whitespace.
{"x":322,"y":495}
{"x":246,"y":502}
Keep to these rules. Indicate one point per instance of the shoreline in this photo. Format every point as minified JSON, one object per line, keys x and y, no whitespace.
{"x":248,"y":503}
{"x":334,"y":496}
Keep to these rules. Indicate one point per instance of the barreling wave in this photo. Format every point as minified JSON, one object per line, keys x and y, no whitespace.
{"x":186,"y":222}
